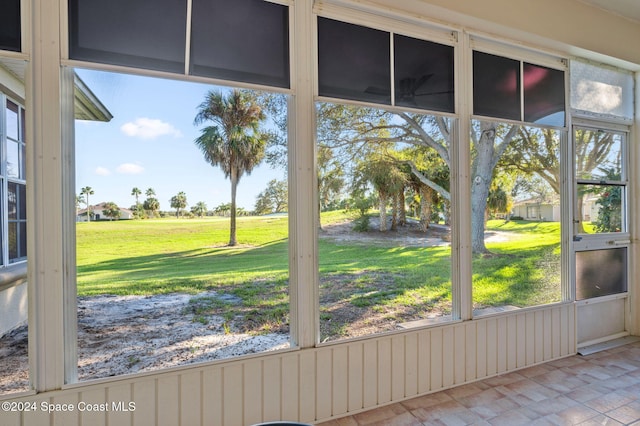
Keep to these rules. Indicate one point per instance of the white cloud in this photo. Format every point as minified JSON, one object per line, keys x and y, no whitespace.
{"x":102,"y":171}
{"x":130,"y":169}
{"x":149,"y":128}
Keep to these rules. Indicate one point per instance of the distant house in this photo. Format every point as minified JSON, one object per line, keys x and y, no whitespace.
{"x":98,"y":214}
{"x":549,"y":211}
{"x":534,"y":209}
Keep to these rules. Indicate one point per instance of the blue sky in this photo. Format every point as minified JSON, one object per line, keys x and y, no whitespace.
{"x":149,"y":144}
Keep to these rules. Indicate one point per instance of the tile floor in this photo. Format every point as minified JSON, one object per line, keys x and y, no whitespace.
{"x":598,"y":389}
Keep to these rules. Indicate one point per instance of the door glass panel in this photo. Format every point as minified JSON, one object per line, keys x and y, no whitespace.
{"x":598,"y":154}
{"x":600,"y":208}
{"x":600,"y":177}
{"x":601,"y":272}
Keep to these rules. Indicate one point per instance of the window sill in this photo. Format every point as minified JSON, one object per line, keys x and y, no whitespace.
{"x":13,"y":275}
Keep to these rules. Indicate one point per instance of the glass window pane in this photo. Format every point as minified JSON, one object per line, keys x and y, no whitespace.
{"x":601,"y":90}
{"x":22,"y":202}
{"x":10,"y":25}
{"x":600,"y":208}
{"x":601,"y":272}
{"x":544,"y":101}
{"x":13,"y":240}
{"x":423,"y":74}
{"x":516,"y":217}
{"x":12,"y":120}
{"x":22,"y":251}
{"x":13,"y":159}
{"x":384,"y":248}
{"x":219,"y":49}
{"x":12,"y":199}
{"x":598,"y":155}
{"x":353,"y":62}
{"x":146,"y":34}
{"x":496,"y":86}
{"x":23,"y":162}
{"x":23,"y":124}
{"x":212,"y":294}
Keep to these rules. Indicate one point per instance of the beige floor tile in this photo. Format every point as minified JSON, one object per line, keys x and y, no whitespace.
{"x":601,"y":389}
{"x":426,"y":401}
{"x":626,"y":414}
{"x":380,"y":414}
{"x":577,"y":414}
{"x":600,"y":420}
{"x":608,"y":402}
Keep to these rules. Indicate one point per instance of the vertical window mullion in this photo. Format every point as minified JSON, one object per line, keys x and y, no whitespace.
{"x":4,"y":226}
{"x":392,"y":73}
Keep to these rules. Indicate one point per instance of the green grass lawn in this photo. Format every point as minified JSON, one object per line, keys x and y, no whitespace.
{"x":170,"y":255}
{"x":524,"y":271}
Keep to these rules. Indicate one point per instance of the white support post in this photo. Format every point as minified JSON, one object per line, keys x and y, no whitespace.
{"x":303,"y":216}
{"x":45,"y":199}
{"x":633,"y":322}
{"x":461,"y":187}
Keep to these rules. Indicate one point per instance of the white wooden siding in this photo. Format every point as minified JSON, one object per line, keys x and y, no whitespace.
{"x":330,"y":381}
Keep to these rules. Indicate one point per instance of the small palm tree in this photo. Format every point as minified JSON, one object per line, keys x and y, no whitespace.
{"x":234,"y":142}
{"x":86,"y":191}
{"x":178,"y":202}
{"x":200,"y":209}
{"x":152,"y":205}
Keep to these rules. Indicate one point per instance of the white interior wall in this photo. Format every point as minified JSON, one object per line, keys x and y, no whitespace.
{"x":309,"y":384}
{"x":13,"y":305}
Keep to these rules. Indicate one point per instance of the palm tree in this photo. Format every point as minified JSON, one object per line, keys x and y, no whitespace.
{"x":150,"y":193}
{"x":152,"y":205}
{"x":200,"y":209}
{"x":79,"y":200}
{"x":178,"y":202}
{"x":86,"y":191}
{"x":234,"y":142}
{"x":136,"y":193}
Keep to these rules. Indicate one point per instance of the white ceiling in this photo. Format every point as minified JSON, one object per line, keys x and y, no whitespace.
{"x":627,"y":8}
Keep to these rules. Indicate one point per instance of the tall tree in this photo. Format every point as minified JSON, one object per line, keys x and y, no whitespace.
{"x":150,"y":192}
{"x":178,"y":202}
{"x":86,"y":191}
{"x":234,"y":142}
{"x":136,"y":192}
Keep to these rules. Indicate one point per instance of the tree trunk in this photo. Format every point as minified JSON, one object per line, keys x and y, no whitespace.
{"x":481,"y":173}
{"x":394,"y":212}
{"x":232,"y":227}
{"x":402,"y":212}
{"x":383,"y":212}
{"x":426,"y":194}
